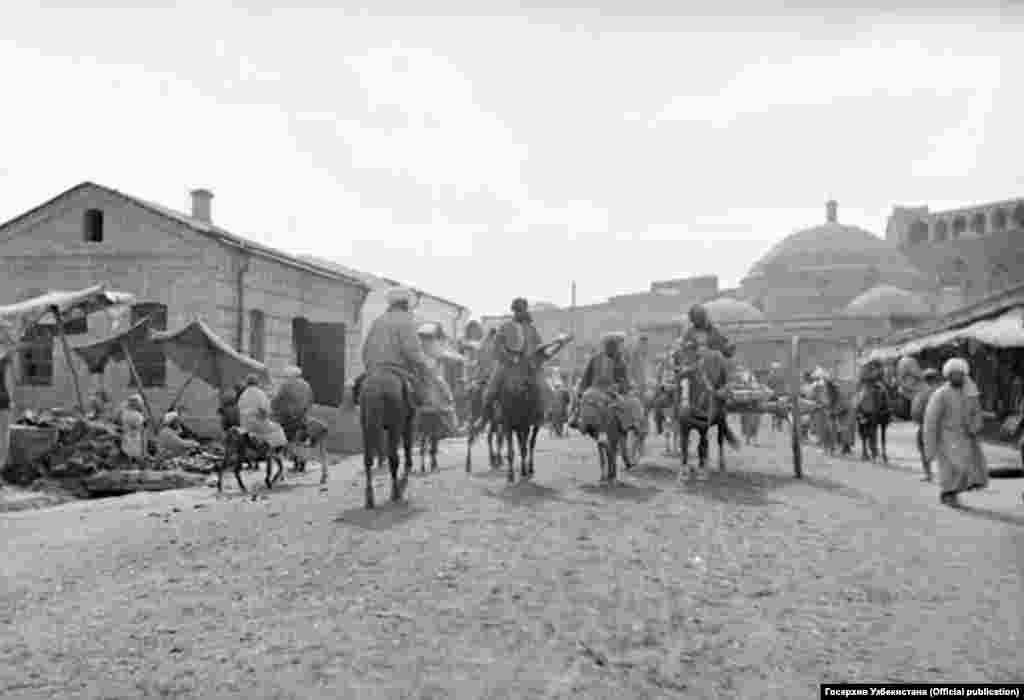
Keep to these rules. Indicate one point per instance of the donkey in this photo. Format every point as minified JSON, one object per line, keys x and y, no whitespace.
{"x":242,"y":449}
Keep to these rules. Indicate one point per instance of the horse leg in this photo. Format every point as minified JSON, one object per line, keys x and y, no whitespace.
{"x":393,"y":462}
{"x":533,"y":444}
{"x":510,"y":453}
{"x":720,"y":434}
{"x":523,"y":438}
{"x":882,"y":428}
{"x":422,"y":440}
{"x":433,"y":453}
{"x":322,"y":448}
{"x":684,"y":443}
{"x":702,"y":450}
{"x":613,"y":448}
{"x":862,"y":431}
{"x":407,"y":442}
{"x":471,"y":435}
{"x":371,"y":448}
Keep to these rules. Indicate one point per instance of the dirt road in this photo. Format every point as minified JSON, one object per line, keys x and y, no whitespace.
{"x":750,"y":585}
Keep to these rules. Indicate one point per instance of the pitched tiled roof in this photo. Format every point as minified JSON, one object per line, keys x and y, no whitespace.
{"x":205,"y":228}
{"x":371,"y":279}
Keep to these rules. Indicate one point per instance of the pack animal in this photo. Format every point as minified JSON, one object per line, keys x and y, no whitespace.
{"x":483,"y":417}
{"x":701,"y":406}
{"x":242,"y":449}
{"x":874,"y":414}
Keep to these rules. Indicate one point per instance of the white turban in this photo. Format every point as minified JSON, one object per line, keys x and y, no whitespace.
{"x":956,"y":364}
{"x":427,"y":329}
{"x":397,"y":295}
{"x":292,"y":372}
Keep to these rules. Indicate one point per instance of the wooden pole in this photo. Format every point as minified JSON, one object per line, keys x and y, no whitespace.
{"x":181,"y":391}
{"x":67,"y":355}
{"x":138,"y":384}
{"x":794,"y":374}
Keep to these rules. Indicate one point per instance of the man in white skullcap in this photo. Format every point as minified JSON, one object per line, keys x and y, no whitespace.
{"x":392,"y":345}
{"x":952,"y":422}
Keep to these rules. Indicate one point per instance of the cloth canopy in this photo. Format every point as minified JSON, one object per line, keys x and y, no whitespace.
{"x":83,"y":302}
{"x":1005,"y":331}
{"x":197,"y":351}
{"x":97,"y":355}
{"x":15,"y":319}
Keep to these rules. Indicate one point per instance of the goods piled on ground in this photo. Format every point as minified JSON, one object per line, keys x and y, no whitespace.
{"x":84,"y":457}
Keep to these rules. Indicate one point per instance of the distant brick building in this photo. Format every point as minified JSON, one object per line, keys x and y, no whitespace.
{"x":273,"y":306}
{"x":966,"y":253}
{"x":664,"y":302}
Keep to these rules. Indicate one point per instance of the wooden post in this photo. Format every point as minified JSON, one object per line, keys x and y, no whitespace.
{"x":138,"y":383}
{"x":67,"y":356}
{"x":794,"y":371}
{"x":181,"y":392}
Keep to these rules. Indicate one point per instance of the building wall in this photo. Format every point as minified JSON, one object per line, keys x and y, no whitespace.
{"x":161,"y":261}
{"x":624,"y":313}
{"x":978,"y":265}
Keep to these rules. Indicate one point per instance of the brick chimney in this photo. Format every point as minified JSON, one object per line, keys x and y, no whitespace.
{"x":201,"y":199}
{"x":831,"y":211}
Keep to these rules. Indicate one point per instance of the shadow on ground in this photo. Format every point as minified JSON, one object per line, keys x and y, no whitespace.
{"x":524,"y":493}
{"x":745,"y":487}
{"x":622,"y":492}
{"x":993,"y":515}
{"x":490,"y":472}
{"x":383,"y":517}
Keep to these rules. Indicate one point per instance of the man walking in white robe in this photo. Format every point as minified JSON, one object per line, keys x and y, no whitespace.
{"x":952,"y":423}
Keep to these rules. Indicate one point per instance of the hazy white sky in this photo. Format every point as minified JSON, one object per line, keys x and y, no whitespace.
{"x":484,"y":157}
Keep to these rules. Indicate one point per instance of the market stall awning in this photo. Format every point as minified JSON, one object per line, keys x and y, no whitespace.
{"x":1005,"y":331}
{"x":71,"y":304}
{"x":197,"y":351}
{"x":98,"y":354}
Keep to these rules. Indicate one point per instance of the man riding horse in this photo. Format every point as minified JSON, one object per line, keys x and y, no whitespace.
{"x":706,"y":335}
{"x":516,"y":341}
{"x":606,"y":376}
{"x":393,"y":345}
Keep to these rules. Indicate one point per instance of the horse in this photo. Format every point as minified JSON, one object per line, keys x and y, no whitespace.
{"x":521,"y":401}
{"x":558,"y":411}
{"x":240,"y":448}
{"x":707,"y":373}
{"x":386,"y":411}
{"x":874,"y":414}
{"x":481,"y":417}
{"x":662,"y":405}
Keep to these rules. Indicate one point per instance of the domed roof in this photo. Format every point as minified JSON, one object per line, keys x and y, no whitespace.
{"x":833,"y":244}
{"x":887,"y":301}
{"x":729,"y":310}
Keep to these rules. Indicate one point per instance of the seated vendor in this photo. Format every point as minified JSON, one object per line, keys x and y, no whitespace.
{"x":132,"y":420}
{"x":170,"y":442}
{"x":99,"y":405}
